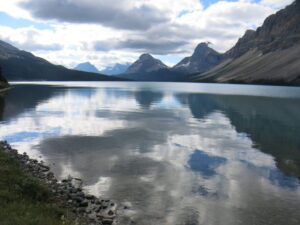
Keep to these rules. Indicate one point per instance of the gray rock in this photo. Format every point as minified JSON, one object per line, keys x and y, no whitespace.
{"x":83,"y":204}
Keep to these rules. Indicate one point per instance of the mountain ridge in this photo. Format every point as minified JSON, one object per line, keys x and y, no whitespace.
{"x":116,"y":69}
{"x":19,"y":65}
{"x":147,"y":68}
{"x":269,"y":55}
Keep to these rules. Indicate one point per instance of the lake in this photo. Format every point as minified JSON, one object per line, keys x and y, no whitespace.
{"x":174,"y":153}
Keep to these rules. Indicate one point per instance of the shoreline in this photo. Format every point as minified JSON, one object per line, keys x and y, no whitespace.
{"x":68,"y":193}
{"x":4,"y":89}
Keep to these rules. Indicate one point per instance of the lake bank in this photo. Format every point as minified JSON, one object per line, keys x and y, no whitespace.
{"x":31,"y":194}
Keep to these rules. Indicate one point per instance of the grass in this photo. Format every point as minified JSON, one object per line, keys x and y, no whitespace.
{"x":24,"y":200}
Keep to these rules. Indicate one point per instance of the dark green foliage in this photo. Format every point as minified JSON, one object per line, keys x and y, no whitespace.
{"x":25,"y":200}
{"x":159,"y":75}
{"x":29,"y":69}
{"x":3,"y":81}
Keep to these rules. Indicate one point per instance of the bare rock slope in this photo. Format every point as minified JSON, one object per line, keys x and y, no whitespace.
{"x":269,"y":55}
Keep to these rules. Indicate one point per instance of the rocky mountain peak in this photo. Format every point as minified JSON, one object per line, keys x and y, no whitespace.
{"x":203,"y":50}
{"x":146,"y":56}
{"x":146,"y":63}
{"x":203,"y":59}
{"x":201,"y":47}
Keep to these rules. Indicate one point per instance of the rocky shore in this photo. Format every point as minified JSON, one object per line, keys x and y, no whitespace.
{"x":68,"y":193}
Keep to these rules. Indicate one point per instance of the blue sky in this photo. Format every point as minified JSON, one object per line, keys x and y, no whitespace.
{"x":7,"y":20}
{"x":105,"y":33}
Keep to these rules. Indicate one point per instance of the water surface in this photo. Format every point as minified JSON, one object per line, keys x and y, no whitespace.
{"x":175,"y":153}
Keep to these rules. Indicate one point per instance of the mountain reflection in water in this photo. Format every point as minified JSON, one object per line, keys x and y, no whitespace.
{"x":178,"y":157}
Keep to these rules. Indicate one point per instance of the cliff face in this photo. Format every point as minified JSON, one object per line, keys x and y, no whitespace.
{"x":278,"y":32}
{"x":269,"y":55}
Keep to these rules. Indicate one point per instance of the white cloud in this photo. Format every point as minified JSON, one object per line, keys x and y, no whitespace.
{"x":12,"y":8}
{"x":276,"y":3}
{"x":176,"y":27}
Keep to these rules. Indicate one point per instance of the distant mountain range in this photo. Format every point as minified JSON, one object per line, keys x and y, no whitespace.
{"x":86,"y":67}
{"x":116,"y":69}
{"x":21,"y":65}
{"x":147,"y":68}
{"x":269,"y":55}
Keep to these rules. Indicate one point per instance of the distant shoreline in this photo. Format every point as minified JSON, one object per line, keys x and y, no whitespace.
{"x":258,"y":83}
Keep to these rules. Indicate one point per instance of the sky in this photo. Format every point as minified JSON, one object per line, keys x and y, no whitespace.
{"x":105,"y":32}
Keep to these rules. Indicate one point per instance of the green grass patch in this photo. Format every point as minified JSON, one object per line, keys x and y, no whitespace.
{"x":25,"y":200}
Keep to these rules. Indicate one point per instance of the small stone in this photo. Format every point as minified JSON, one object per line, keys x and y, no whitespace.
{"x":88,"y":211}
{"x":107,"y":222}
{"x":90,"y":197}
{"x":80,"y":210}
{"x":78,"y":199}
{"x":84,"y":204}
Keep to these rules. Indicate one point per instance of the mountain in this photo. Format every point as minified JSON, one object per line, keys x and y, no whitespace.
{"x":145,"y":63}
{"x":115,"y":69}
{"x":269,"y":55}
{"x":22,"y":65}
{"x":110,"y":70}
{"x":86,"y":67}
{"x":147,"y":68}
{"x":203,"y":59}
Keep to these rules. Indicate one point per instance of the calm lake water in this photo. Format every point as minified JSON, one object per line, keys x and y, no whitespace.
{"x":175,"y":153}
